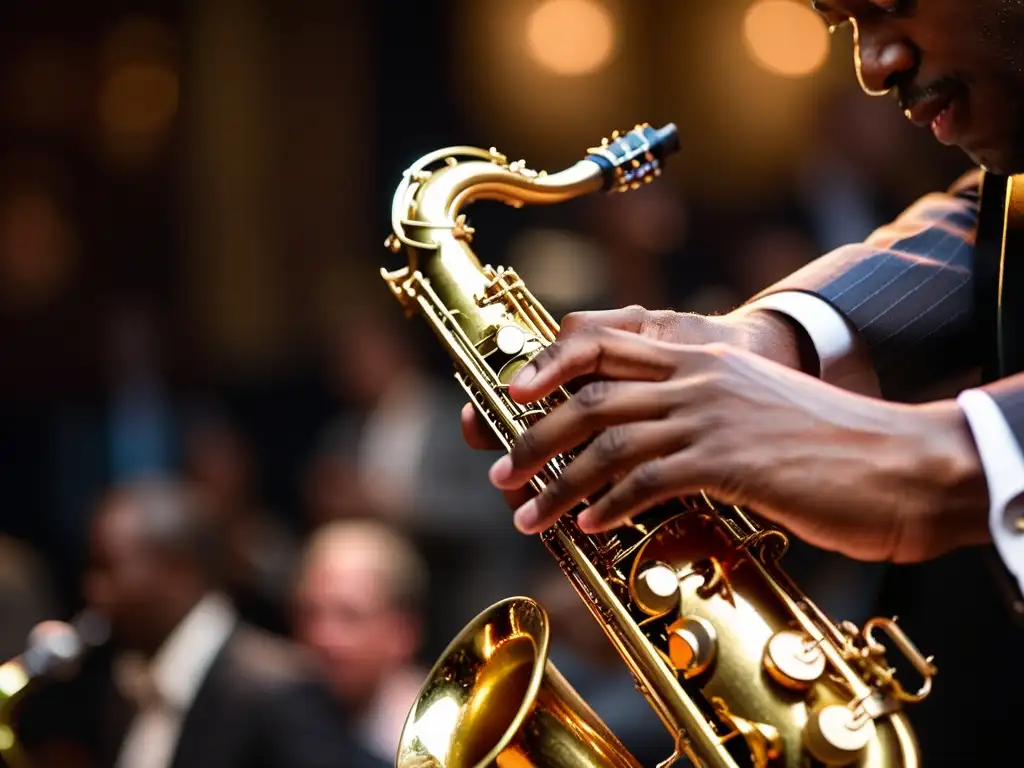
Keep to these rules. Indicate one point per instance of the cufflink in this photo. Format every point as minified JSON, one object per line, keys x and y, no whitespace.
{"x":1018,"y":524}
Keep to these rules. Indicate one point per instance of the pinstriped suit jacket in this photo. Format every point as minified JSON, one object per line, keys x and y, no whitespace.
{"x":908,"y":290}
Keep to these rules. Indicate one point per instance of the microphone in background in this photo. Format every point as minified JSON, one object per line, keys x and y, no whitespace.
{"x":54,"y":650}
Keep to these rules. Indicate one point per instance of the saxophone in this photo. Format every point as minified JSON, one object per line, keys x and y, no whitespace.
{"x":741,"y":667}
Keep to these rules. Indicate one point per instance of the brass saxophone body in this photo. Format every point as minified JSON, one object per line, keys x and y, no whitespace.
{"x":739,"y":665}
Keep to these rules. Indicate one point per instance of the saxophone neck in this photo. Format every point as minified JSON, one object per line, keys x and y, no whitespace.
{"x":427,"y":209}
{"x":427,"y":206}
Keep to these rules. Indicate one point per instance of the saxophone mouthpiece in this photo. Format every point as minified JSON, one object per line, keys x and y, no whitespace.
{"x":629,"y":160}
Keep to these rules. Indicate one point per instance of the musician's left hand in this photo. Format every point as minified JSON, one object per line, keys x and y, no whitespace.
{"x":871,"y":479}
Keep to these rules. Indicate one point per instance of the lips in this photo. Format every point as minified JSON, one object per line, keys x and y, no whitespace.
{"x":924,"y":112}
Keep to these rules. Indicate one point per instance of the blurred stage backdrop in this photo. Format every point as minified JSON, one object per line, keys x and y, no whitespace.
{"x":194,"y":197}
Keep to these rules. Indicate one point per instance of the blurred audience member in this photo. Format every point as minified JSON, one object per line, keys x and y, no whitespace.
{"x":190,"y":685}
{"x":399,"y":453}
{"x":260,"y":550}
{"x":396,"y":445}
{"x":359,"y":604}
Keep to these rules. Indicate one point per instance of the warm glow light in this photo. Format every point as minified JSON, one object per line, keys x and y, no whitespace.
{"x":786,"y":37}
{"x":12,"y":679}
{"x":571,"y":37}
{"x":140,"y":89}
{"x":37,"y":254}
{"x":139,"y":98}
{"x":436,"y":726}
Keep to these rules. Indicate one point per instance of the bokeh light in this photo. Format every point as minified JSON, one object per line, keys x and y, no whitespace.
{"x":785,"y":37}
{"x":139,"y":94}
{"x":139,"y":99}
{"x":571,"y":37}
{"x":38,"y":249}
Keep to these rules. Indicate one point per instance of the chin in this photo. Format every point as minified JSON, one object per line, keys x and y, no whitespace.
{"x":1004,"y":162}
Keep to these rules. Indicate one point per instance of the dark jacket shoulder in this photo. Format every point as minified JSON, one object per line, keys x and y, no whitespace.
{"x":266,"y":660}
{"x":266,"y":703}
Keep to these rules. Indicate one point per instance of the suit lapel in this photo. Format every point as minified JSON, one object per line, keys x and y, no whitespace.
{"x":999,"y":314}
{"x":1011,"y":281}
{"x":212,"y":733}
{"x":108,"y":713}
{"x":988,"y":249}
{"x":999,"y":276}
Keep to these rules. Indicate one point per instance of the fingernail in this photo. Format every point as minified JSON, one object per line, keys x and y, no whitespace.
{"x":500,"y":471}
{"x":526,"y":517}
{"x":589,"y":524}
{"x":525,"y":376}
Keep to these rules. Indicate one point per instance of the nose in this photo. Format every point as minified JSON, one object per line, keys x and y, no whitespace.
{"x":881,"y":56}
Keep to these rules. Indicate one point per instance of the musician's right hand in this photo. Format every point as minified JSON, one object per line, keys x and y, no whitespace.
{"x":764,"y":333}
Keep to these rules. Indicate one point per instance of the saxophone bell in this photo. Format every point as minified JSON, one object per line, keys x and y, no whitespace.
{"x":494,"y":698}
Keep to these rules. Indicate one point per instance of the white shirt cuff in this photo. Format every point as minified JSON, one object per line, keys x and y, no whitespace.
{"x":843,"y":356}
{"x":1003,"y":462}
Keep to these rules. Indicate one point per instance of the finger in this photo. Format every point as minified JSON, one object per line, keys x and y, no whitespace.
{"x":606,"y":352}
{"x":629,"y":319}
{"x":617,"y":451}
{"x":598,"y":405}
{"x":476,"y":432}
{"x":646,"y":486}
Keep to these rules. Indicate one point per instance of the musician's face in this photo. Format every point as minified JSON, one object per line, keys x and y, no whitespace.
{"x":957,"y":66}
{"x":124,"y":583}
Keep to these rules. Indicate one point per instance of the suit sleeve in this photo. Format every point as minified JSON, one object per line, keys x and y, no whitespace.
{"x":303,"y":726}
{"x":906,"y":291}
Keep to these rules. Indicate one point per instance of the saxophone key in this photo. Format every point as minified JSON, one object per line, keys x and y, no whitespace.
{"x":692,"y":644}
{"x":656,"y":589}
{"x":511,"y":339}
{"x":793,"y":660}
{"x":838,"y":736}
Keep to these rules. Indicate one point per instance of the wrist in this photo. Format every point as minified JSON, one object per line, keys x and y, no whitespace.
{"x":780,"y":338}
{"x":949,"y":463}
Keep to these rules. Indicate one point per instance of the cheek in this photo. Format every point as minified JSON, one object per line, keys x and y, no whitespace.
{"x":324,"y":631}
{"x":346,"y":639}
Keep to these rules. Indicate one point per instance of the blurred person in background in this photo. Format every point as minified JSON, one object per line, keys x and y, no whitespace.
{"x":260,"y":549}
{"x":394,"y":438}
{"x":359,"y":606}
{"x":188,"y":685}
{"x":397,"y":453}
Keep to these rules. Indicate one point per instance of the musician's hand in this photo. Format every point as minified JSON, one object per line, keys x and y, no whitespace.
{"x":766,"y":334}
{"x":871,"y":479}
